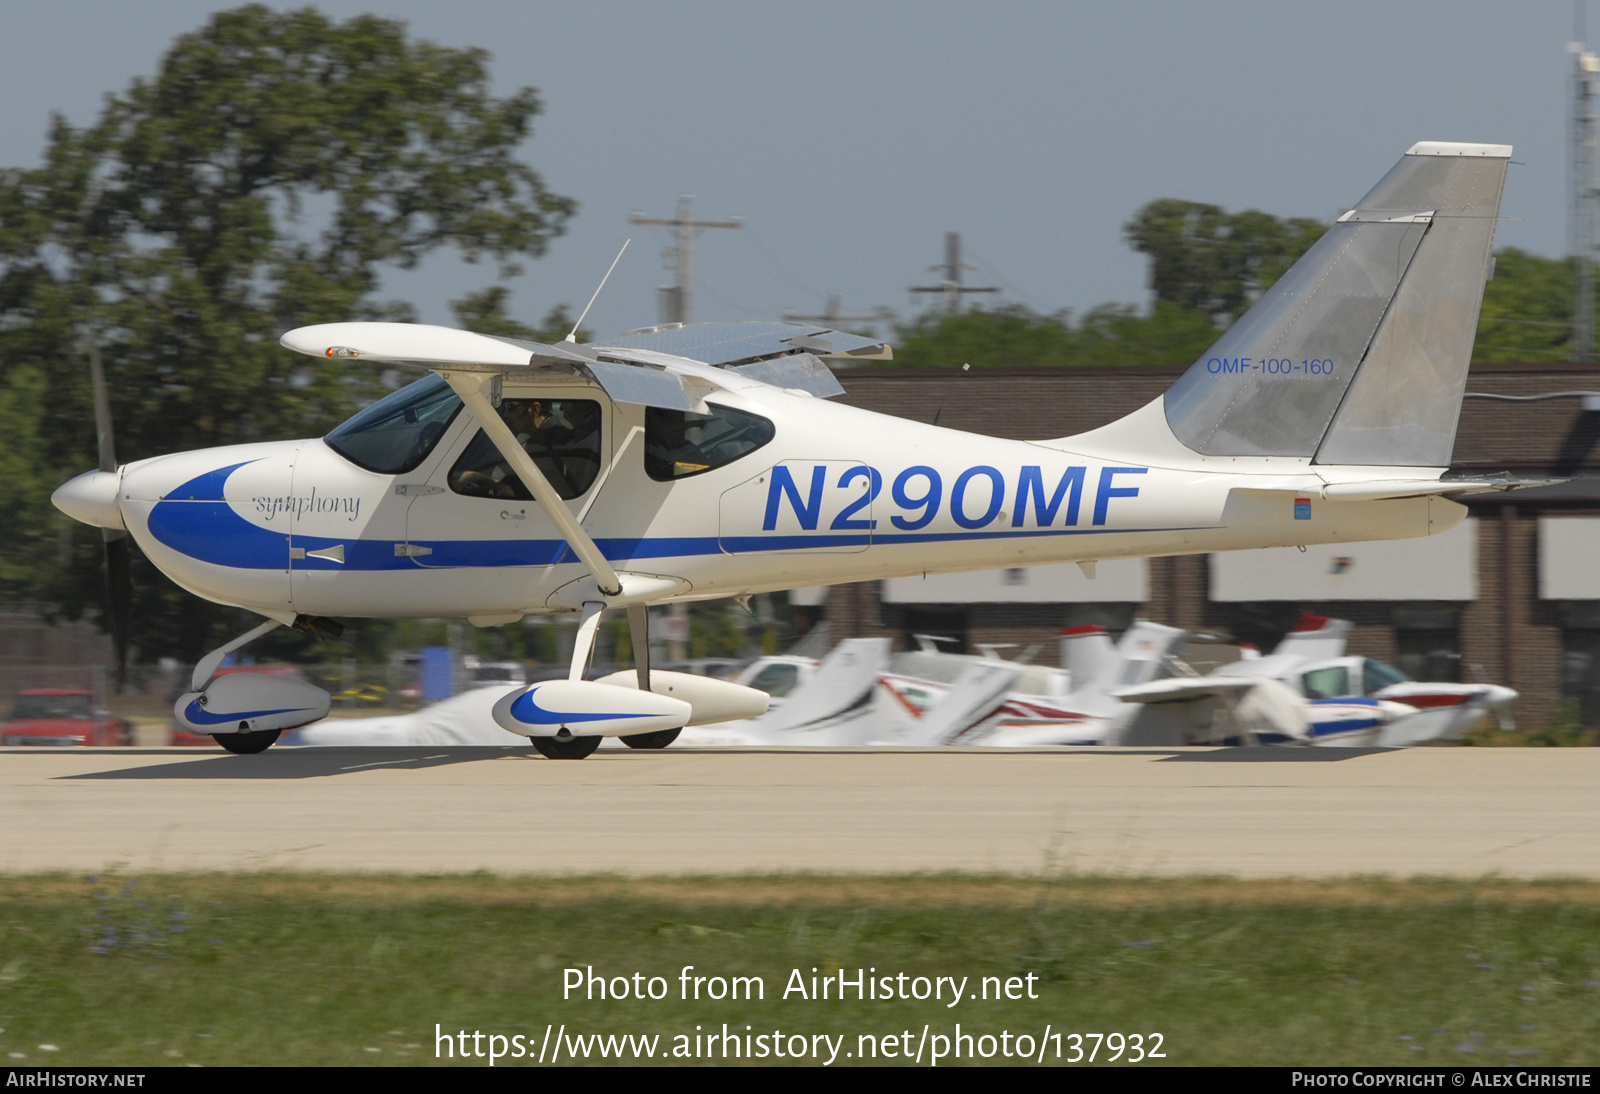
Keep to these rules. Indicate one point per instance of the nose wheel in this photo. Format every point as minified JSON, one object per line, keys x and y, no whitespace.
{"x":248,"y":743}
{"x":573,"y":748}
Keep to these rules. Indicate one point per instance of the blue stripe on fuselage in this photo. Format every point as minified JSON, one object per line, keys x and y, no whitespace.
{"x":196,"y":520}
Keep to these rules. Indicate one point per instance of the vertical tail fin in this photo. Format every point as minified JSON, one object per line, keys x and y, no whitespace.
{"x":1359,"y":354}
{"x":1315,"y":638}
{"x":1088,"y":654}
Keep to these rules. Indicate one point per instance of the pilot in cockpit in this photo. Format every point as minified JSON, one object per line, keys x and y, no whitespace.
{"x":562,"y":437}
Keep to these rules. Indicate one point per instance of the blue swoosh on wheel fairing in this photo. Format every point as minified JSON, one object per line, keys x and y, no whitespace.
{"x":198,"y":715}
{"x":524,"y":709}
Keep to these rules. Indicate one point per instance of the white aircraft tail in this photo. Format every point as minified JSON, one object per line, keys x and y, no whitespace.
{"x":1137,"y":659}
{"x":842,"y":687}
{"x":972,"y":698}
{"x":1359,"y":353}
{"x":1315,"y":638}
{"x":1088,"y":656}
{"x":1144,"y":649}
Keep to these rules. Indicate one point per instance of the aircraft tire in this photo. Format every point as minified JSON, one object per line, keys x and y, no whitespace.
{"x":246,"y":744}
{"x":661,"y":738}
{"x":575,"y":749}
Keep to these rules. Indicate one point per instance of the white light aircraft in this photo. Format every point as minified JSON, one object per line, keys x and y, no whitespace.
{"x":1343,"y":700}
{"x":705,"y":461}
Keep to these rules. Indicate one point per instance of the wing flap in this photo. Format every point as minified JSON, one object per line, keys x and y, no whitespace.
{"x":742,"y":343}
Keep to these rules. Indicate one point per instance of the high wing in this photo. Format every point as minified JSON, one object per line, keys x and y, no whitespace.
{"x":657,"y":366}
{"x":1182,"y":689}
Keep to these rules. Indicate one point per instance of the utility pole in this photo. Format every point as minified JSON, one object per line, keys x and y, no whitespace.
{"x":677,"y":301}
{"x":830,"y":315}
{"x":677,"y":306}
{"x":1585,"y":68}
{"x":951,"y":287}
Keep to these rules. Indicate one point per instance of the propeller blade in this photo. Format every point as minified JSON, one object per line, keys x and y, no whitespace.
{"x":119,"y":580}
{"x":102,"y":406}
{"x":119,"y":597}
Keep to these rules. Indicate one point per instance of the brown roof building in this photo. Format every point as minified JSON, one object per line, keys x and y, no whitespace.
{"x":1511,"y":596}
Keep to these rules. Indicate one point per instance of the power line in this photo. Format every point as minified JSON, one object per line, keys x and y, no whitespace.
{"x":951,"y":287}
{"x":993,"y":271}
{"x":831,"y":315}
{"x":677,"y":300}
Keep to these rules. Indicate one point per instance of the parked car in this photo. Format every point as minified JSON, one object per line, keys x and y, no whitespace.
{"x":498,"y":674}
{"x":61,"y":716}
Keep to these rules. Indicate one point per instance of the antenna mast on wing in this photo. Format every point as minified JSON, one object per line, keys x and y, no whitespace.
{"x":572,"y":335}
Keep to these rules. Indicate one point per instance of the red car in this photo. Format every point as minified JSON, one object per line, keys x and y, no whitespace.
{"x":61,"y":716}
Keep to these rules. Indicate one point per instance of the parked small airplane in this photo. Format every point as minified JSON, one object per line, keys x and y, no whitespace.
{"x":1347,"y":700}
{"x":683,"y":463}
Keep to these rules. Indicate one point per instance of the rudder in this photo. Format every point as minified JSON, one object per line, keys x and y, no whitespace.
{"x":1359,"y":353}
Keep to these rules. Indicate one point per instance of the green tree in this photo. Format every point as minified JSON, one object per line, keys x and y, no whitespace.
{"x":1015,"y":336}
{"x":264,"y":178}
{"x":1527,"y":309}
{"x":1205,"y":259}
{"x":484,"y":311}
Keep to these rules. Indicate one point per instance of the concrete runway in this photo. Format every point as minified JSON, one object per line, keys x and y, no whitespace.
{"x":1457,"y":812}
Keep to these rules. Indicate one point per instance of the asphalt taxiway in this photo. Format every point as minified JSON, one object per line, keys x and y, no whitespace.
{"x":1457,"y":812}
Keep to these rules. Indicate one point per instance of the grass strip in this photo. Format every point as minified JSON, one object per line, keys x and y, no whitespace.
{"x":142,"y":970}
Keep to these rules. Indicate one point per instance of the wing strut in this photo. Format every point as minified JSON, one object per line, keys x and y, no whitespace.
{"x":470,"y":386}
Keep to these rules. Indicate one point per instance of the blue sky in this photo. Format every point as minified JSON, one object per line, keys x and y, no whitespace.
{"x":851,"y":136}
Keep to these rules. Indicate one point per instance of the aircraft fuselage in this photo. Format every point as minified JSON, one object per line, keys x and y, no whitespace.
{"x":838,"y":494}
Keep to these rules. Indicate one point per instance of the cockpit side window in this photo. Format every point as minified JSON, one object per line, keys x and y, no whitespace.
{"x":1329,"y":683}
{"x":679,"y":443}
{"x":397,"y":432}
{"x":562,"y":436}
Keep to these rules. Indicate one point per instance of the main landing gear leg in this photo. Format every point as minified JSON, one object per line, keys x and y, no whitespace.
{"x":639,"y":632}
{"x":566,"y":745}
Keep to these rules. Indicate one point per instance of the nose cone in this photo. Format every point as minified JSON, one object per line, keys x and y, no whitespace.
{"x":92,"y":498}
{"x":1500,"y":696}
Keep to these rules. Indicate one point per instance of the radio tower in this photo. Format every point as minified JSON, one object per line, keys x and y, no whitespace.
{"x":1585,"y":75}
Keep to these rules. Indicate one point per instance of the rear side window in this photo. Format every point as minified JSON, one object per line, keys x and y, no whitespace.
{"x":679,"y":443}
{"x":397,"y":432}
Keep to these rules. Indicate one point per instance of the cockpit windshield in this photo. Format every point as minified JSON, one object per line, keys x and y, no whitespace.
{"x":397,"y":432}
{"x":1375,"y":676}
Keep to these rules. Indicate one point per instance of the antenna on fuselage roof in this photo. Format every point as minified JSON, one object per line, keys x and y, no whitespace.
{"x":940,"y":412}
{"x":572,"y":335}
